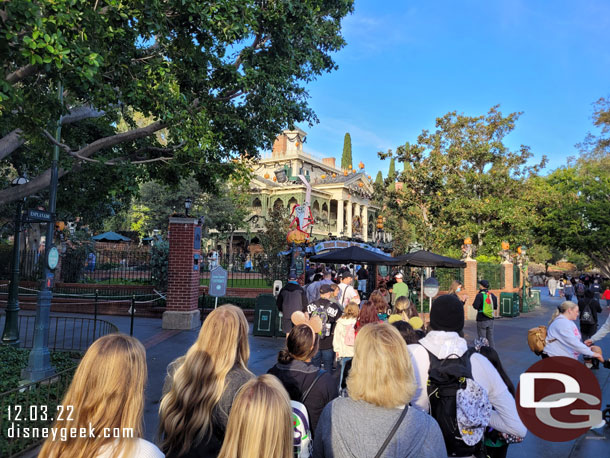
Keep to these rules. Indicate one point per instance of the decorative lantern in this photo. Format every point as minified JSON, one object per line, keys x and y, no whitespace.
{"x":266,"y":176}
{"x":505,"y":245}
{"x":361,"y":165}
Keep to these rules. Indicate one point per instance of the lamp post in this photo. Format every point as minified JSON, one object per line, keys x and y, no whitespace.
{"x":523,"y":266}
{"x":10,"y":336}
{"x":188,"y":202}
{"x":39,"y":361}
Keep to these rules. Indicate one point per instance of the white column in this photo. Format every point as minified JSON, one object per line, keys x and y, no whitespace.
{"x":349,"y":219}
{"x":339,"y":217}
{"x":365,"y":223}
{"x":357,"y":208}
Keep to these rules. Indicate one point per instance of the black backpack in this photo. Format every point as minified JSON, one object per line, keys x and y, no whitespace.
{"x":445,"y":378}
{"x":586,"y":314}
{"x":580,"y":289}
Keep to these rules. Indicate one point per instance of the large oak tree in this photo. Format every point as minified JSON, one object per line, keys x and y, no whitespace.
{"x":213,"y":79}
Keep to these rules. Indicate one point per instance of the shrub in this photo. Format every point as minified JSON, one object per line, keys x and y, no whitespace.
{"x":159,"y":260}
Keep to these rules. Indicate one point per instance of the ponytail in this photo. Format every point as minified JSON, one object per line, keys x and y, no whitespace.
{"x":284,"y":357}
{"x":563,"y":308}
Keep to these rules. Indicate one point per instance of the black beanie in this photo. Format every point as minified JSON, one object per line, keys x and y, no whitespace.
{"x":447,"y":314}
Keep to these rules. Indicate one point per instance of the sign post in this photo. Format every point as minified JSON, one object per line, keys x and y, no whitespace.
{"x":218,"y":283}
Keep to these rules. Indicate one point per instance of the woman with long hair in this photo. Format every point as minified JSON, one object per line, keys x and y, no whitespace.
{"x":260,"y":424}
{"x":563,"y":337}
{"x":106,"y":394}
{"x":380,"y":385}
{"x":201,"y":385}
{"x":368,"y":314}
{"x":299,"y":376}
{"x":455,"y":288}
{"x":380,"y":304}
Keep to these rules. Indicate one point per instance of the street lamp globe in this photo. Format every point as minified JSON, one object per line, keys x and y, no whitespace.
{"x":188,"y":202}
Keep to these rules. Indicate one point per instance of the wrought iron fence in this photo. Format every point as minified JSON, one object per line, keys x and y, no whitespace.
{"x":65,"y":333}
{"x":31,"y":408}
{"x":493,"y":273}
{"x":108,"y":267}
{"x":258,"y":271}
{"x":446,"y":276}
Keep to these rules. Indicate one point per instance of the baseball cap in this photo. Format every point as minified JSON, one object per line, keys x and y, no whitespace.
{"x":346,"y":275}
{"x":325,"y":289}
{"x":292,"y":276}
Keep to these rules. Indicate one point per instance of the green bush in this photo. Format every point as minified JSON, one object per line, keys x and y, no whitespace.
{"x":241,"y":302}
{"x":159,"y":260}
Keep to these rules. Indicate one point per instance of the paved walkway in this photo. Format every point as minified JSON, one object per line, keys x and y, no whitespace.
{"x":511,"y":342}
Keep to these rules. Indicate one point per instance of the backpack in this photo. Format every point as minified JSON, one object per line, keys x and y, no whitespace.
{"x":350,"y":335}
{"x":580,"y":289}
{"x":302,"y":443}
{"x":536,"y":339}
{"x":488,"y":305}
{"x":586,"y":314}
{"x":458,"y":403}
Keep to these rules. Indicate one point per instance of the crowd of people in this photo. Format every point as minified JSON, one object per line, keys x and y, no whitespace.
{"x":357,"y":377}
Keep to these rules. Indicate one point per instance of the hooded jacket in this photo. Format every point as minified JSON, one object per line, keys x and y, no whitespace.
{"x":443,"y":344}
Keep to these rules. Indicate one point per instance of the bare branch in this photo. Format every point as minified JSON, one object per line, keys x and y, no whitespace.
{"x":10,"y":142}
{"x":80,"y":113}
{"x":37,"y":184}
{"x":21,"y":73}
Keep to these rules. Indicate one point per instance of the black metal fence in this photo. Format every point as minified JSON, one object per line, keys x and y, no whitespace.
{"x":256,"y":271}
{"x":110,"y":267}
{"x":31,"y":408}
{"x":446,"y":276}
{"x":493,"y":273}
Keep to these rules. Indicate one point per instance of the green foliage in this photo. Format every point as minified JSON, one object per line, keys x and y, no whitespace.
{"x":581,"y":261}
{"x":159,"y":260}
{"x":273,"y":241}
{"x":488,"y":259}
{"x":137,"y":67}
{"x":379,"y":178}
{"x":242,"y":302}
{"x":73,"y":262}
{"x":461,"y":180}
{"x":346,"y":157}
{"x":392,"y":176}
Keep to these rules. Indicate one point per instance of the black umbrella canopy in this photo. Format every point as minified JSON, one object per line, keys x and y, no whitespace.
{"x":423,"y":258}
{"x":353,"y":254}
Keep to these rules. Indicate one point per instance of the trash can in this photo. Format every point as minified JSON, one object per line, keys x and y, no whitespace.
{"x":509,"y":304}
{"x":266,"y":319}
{"x":534,"y":299}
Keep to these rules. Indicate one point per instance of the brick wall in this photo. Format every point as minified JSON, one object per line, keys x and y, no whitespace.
{"x":183,"y":280}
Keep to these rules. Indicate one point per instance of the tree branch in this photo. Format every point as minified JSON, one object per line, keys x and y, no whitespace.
{"x":10,"y":142}
{"x":80,"y":113}
{"x":21,"y":73}
{"x":37,"y":184}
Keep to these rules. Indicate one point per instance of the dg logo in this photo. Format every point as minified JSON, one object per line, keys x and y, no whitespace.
{"x":559,"y":399}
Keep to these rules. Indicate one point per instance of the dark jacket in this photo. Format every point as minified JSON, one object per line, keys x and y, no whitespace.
{"x":478,"y":305}
{"x":297,"y":376}
{"x":594,"y":306}
{"x":220,"y":414}
{"x":292,"y":298}
{"x":329,"y":313}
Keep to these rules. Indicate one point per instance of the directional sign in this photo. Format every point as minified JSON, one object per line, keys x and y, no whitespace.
{"x":218,"y":282}
{"x":39,"y":215}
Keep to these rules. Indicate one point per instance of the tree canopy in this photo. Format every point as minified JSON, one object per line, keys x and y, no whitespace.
{"x":214,"y":80}
{"x":462,"y":181}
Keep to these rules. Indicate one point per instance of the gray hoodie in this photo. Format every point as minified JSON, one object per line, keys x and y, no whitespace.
{"x":357,"y":429}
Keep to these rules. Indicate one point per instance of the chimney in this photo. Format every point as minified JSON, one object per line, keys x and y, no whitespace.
{"x":329,"y":161}
{"x":279,"y":146}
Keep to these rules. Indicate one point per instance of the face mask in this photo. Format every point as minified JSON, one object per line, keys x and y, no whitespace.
{"x":458,"y":289}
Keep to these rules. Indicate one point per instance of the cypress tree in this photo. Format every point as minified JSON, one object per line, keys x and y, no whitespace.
{"x":392,"y":175}
{"x":379,"y":178}
{"x":346,"y":158}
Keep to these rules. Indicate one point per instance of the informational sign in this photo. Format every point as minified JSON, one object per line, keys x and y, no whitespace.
{"x":39,"y":215}
{"x":197,"y":239}
{"x":218,"y":282}
{"x":53,"y":258}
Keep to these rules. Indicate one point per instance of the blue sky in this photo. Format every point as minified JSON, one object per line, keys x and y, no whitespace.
{"x":408,"y":62}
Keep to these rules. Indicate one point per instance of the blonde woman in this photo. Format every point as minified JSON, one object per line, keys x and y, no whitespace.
{"x":404,"y":310}
{"x":381,"y":384}
{"x":106,"y":394}
{"x":455,"y":288}
{"x":563,"y":337}
{"x":260,"y":424}
{"x":201,"y":385}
